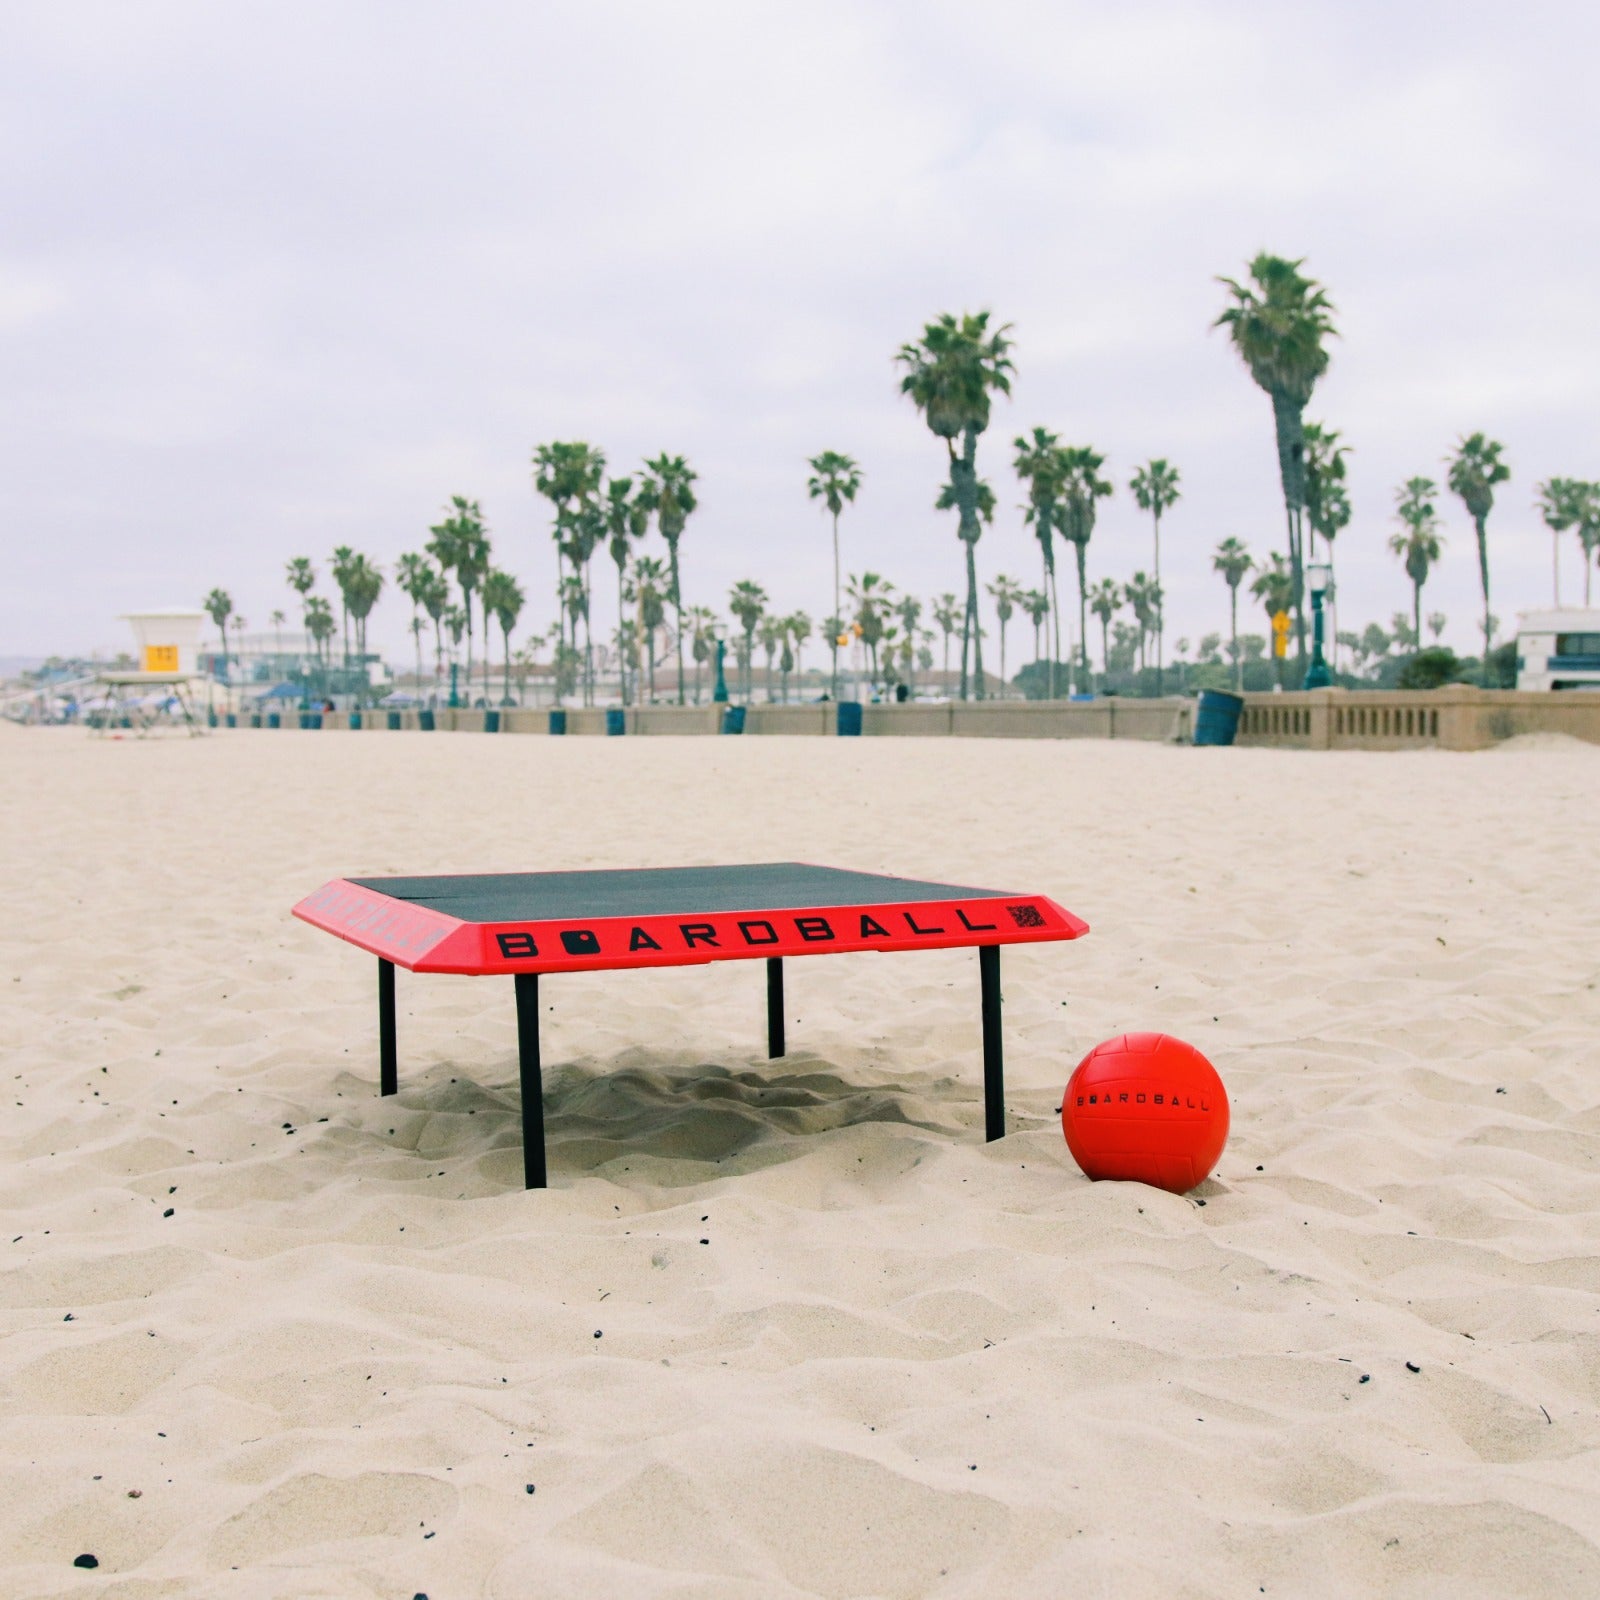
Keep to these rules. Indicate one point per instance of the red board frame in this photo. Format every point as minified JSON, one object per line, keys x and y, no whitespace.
{"x":422,"y":940}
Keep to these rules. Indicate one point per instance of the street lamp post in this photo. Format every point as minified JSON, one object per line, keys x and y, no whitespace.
{"x":1319,"y":579}
{"x":719,"y":695}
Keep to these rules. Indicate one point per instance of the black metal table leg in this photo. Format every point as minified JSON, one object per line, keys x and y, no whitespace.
{"x":994,"y":1075}
{"x":774,"y":1007}
{"x":388,"y":1050}
{"x":533,"y":1164}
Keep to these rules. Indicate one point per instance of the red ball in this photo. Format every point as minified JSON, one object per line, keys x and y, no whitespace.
{"x":1146,"y":1108}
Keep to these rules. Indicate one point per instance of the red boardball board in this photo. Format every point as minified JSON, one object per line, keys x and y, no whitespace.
{"x":666,"y":917}
{"x":528,"y":924}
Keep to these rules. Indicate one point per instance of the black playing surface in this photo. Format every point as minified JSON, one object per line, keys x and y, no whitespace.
{"x":660,"y":891}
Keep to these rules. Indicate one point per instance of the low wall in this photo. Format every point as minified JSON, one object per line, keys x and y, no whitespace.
{"x":1458,"y":717}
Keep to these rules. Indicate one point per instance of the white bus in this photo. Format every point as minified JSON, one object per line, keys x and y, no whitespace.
{"x":1558,"y":649}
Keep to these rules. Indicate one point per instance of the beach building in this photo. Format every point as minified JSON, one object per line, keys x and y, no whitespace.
{"x":1558,"y":649}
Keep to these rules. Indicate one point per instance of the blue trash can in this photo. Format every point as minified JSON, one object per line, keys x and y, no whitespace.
{"x":232,"y":720}
{"x":272,"y":719}
{"x":848,"y":722}
{"x":1217,"y":720}
{"x":310,"y":719}
{"x":355,"y":720}
{"x":491,"y":722}
{"x":394,"y":722}
{"x":733,"y":719}
{"x":558,"y":722}
{"x":425,"y":721}
{"x":616,"y":721}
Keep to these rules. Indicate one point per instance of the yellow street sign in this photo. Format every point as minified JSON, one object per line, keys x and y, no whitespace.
{"x":1280,"y":633}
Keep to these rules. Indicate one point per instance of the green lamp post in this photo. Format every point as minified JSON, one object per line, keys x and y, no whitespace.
{"x":455,"y":699}
{"x":1319,"y":579}
{"x":719,"y":695}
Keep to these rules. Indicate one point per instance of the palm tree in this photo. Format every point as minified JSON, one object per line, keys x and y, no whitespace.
{"x":1155,"y":489}
{"x":770,"y":632}
{"x":1419,"y":546}
{"x":1560,"y":504}
{"x":1144,"y":600}
{"x":796,"y":631}
{"x":951,"y":374}
{"x":1278,"y":327}
{"x":835,"y":479}
{"x":1436,"y":624}
{"x":1105,"y":600}
{"x":748,"y":602}
{"x":343,"y":561}
{"x":302,"y":578}
{"x":219,"y":607}
{"x":1587,"y":506}
{"x":364,"y":585}
{"x":1274,"y":588}
{"x":702,"y":627}
{"x":870,"y":598}
{"x":320,"y":625}
{"x":1007,"y":594}
{"x":433,"y":595}
{"x":1035,"y":604}
{"x":455,"y":624}
{"x":1082,"y":485}
{"x":944,"y":613}
{"x":1327,"y":503}
{"x":1040,"y":464}
{"x":1475,"y":470}
{"x":502,"y":599}
{"x":671,"y":497}
{"x":567,"y":474}
{"x":412,"y":574}
{"x":650,"y":592}
{"x":1233,"y":561}
{"x":627,"y":519}
{"x":460,"y":543}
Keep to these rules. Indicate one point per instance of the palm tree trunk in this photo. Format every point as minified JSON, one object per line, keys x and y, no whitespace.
{"x":1105,"y":653}
{"x":622,"y":654}
{"x":1002,"y":656}
{"x":1048,"y":566}
{"x":1483,"y":573}
{"x":1238,"y":665}
{"x":1083,"y":604}
{"x":505,"y":697}
{"x":1055,"y":614}
{"x":972,"y":627}
{"x":1416,"y":616}
{"x":1160,"y":619}
{"x":1290,"y":431}
{"x":836,"y":604}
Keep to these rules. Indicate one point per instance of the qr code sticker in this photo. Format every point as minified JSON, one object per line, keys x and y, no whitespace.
{"x":1025,"y":916}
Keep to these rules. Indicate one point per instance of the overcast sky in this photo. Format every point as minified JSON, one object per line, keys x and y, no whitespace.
{"x":276,"y":277}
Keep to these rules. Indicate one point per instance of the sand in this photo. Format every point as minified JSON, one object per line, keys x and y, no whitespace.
{"x":793,"y":1329}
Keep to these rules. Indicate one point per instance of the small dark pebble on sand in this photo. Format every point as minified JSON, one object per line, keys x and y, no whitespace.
{"x":1366,"y":1377}
{"x":86,"y":1561}
{"x":528,"y":1487}
{"x":1411,"y":1366}
{"x":167,"y":1212}
{"x":67,"y":1318}
{"x":597,"y":1333}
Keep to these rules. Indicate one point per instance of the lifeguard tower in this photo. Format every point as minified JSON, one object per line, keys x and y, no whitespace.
{"x":168,"y":652}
